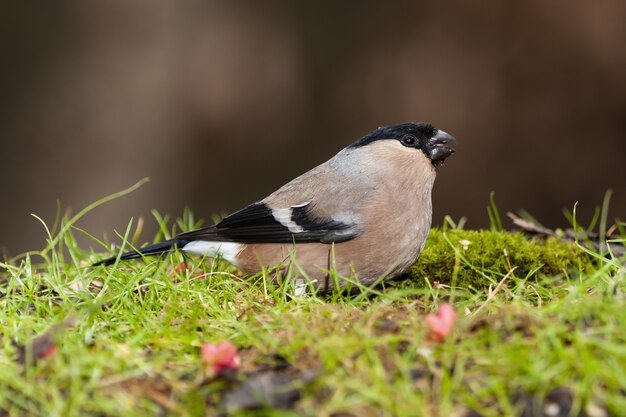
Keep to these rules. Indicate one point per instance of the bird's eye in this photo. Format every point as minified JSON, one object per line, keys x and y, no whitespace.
{"x":408,"y":140}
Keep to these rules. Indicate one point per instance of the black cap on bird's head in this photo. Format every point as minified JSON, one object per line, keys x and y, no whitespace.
{"x":423,"y":136}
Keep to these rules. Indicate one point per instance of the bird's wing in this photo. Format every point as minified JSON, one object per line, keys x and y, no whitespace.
{"x":258,"y":223}
{"x":321,"y":205}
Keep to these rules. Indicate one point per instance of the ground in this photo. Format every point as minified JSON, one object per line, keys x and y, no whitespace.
{"x":540,"y":330}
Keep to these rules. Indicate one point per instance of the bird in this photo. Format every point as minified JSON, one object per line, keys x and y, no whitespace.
{"x":365,"y":213}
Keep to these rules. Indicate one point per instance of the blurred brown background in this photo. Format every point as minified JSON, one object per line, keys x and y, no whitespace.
{"x":221,"y":102}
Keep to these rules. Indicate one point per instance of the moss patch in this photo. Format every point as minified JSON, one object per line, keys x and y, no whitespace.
{"x":479,"y":258}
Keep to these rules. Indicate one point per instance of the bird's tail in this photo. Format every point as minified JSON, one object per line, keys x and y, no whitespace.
{"x":150,"y":250}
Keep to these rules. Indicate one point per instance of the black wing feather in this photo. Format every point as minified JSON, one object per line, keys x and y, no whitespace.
{"x":256,"y":224}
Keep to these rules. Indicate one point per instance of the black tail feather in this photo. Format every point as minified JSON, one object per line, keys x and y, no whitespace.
{"x":156,"y":249}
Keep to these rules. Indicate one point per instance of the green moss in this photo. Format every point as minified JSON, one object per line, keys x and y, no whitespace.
{"x":482,"y":257}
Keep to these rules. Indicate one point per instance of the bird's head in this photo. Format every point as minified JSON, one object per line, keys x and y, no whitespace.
{"x":424,"y":137}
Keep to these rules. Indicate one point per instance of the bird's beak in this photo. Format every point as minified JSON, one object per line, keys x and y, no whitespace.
{"x":439,"y":149}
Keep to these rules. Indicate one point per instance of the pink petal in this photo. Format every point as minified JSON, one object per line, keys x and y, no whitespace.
{"x":219,"y":357}
{"x":47,"y":352}
{"x":441,"y":324}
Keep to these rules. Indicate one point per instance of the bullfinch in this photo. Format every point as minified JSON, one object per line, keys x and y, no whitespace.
{"x":365,"y":213}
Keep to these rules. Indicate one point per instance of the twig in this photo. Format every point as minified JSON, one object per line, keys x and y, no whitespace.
{"x":495,"y":290}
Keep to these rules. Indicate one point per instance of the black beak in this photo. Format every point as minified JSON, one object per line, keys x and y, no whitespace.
{"x":439,"y":149}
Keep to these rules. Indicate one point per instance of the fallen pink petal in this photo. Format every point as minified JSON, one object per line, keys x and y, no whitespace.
{"x":47,"y":352}
{"x":219,"y":357}
{"x":441,"y":323}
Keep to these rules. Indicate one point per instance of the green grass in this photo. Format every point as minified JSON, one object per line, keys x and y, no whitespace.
{"x":532,"y":317}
